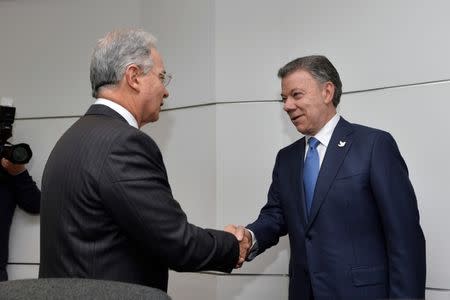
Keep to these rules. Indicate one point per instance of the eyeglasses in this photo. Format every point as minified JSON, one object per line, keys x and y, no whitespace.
{"x":164,"y":77}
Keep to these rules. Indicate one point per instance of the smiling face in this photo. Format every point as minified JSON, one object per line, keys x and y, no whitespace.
{"x":307,"y":101}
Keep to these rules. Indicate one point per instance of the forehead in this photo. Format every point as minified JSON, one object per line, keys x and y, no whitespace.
{"x":157,"y":59}
{"x":299,"y":79}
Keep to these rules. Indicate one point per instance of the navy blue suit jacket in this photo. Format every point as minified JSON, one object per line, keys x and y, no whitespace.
{"x":362,"y":238}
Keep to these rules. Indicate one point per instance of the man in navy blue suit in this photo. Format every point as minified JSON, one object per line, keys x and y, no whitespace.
{"x":345,"y":200}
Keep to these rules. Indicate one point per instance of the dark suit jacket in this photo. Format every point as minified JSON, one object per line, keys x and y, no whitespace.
{"x":19,"y":190}
{"x":362,"y":239}
{"x":107,"y":210}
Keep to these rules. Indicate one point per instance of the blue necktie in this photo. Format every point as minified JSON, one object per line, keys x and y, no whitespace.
{"x":311,"y":171}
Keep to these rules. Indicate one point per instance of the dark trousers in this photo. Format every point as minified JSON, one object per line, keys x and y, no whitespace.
{"x":3,"y":275}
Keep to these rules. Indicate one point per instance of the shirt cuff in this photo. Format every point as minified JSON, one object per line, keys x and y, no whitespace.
{"x":254,"y":249}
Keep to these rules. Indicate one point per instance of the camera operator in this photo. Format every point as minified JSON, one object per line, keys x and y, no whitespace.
{"x":16,"y":188}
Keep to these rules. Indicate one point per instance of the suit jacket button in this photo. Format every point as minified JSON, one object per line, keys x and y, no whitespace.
{"x":308,"y":237}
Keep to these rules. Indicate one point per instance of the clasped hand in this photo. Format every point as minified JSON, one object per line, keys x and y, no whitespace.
{"x":245,"y":241}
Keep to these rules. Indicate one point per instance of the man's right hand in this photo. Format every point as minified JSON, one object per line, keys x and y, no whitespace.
{"x":245,"y":241}
{"x":12,"y":169}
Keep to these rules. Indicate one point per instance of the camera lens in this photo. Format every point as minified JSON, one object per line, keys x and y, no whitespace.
{"x":20,"y":154}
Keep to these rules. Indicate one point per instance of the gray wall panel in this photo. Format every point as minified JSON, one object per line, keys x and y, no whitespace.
{"x":373,"y":44}
{"x":249,"y":136}
{"x":187,"y":141}
{"x":185,"y":31}
{"x":252,"y":287}
{"x":22,"y":271}
{"x":45,"y":59}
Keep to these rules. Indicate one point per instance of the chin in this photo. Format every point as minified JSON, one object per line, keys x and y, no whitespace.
{"x":305,"y":131}
{"x":155,"y":118}
{"x":300,"y":129}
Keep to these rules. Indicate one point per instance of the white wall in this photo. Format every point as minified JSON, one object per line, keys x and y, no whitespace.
{"x":220,"y":156}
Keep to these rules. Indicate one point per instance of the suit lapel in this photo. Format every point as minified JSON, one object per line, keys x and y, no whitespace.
{"x":296,"y":177}
{"x":333,"y":159}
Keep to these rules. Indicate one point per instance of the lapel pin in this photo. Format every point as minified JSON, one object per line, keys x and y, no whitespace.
{"x":341,"y":144}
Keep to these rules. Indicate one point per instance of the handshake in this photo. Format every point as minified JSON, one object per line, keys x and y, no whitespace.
{"x":244,"y":237}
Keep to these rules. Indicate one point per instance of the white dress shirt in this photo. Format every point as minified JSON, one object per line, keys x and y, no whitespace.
{"x":119,"y":109}
{"x":324,"y":137}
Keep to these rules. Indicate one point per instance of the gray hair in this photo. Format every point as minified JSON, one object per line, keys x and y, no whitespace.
{"x":320,"y":68}
{"x":117,"y":50}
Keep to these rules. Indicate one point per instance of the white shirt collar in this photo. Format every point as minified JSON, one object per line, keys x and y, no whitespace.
{"x":324,"y":134}
{"x":119,"y":109}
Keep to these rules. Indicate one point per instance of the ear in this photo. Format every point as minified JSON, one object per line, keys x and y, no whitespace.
{"x":328,"y":91}
{"x":132,"y":74}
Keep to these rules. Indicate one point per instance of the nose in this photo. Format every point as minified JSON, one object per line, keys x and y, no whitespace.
{"x":288,"y":104}
{"x":166,"y":93}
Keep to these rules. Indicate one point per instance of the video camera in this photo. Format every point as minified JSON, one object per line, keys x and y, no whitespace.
{"x":17,"y":154}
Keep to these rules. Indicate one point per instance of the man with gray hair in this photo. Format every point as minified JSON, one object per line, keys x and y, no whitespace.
{"x":343,"y":196}
{"x":107,"y":208}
